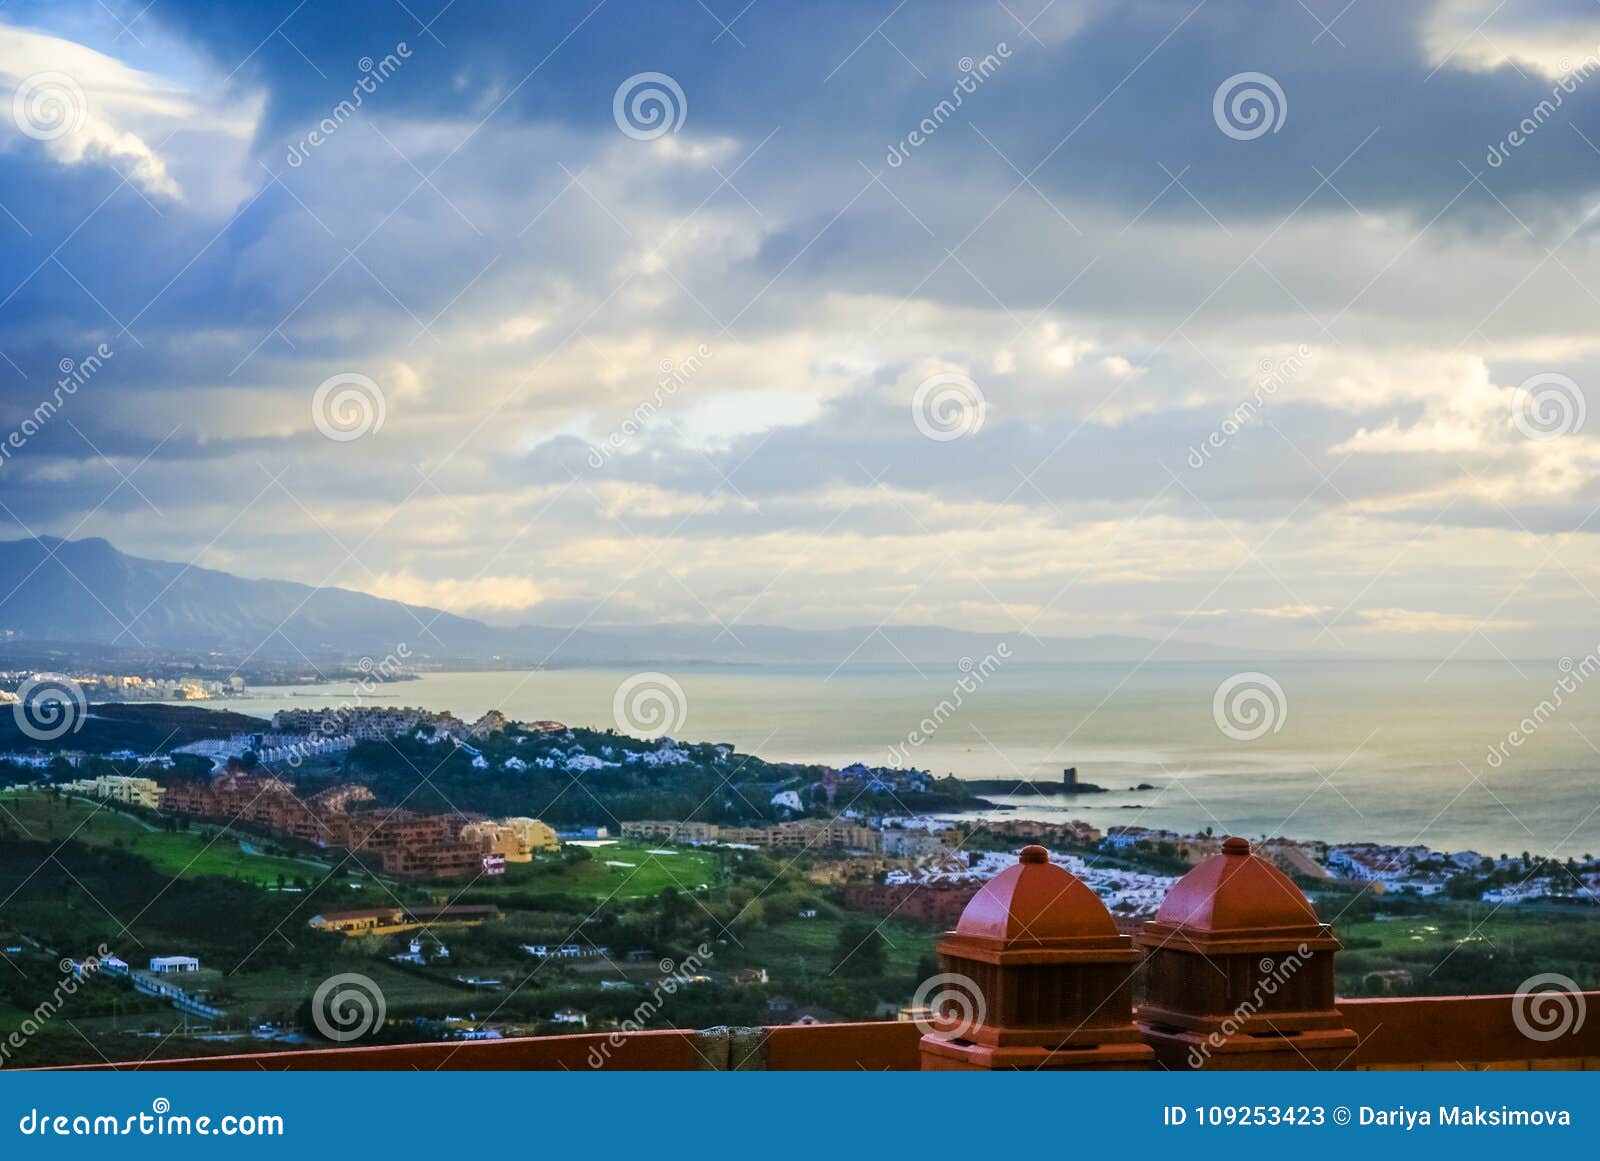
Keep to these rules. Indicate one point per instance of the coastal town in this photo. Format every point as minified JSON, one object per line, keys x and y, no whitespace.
{"x":540,"y":869}
{"x":912,"y":860}
{"x":904,"y":852}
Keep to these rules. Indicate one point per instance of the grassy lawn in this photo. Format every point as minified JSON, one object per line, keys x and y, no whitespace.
{"x":256,"y":995}
{"x":189,"y":854}
{"x":186,"y":854}
{"x":1478,"y":948}
{"x":800,"y":949}
{"x":643,"y":876}
{"x":1441,"y":928}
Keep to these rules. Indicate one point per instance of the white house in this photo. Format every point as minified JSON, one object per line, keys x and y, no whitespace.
{"x":166,"y":965}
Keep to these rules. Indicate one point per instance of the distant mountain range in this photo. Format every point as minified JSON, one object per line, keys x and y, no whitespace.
{"x":86,"y":592}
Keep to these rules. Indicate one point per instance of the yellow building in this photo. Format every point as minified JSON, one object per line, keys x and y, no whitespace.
{"x":144,"y":792}
{"x":538,"y":837}
{"x":517,"y":839}
{"x":388,"y":920}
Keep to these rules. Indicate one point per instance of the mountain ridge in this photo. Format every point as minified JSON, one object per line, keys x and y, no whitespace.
{"x":89,"y":592}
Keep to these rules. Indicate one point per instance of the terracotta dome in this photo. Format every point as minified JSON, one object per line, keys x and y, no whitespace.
{"x":1035,"y":901}
{"x":1236,"y":891}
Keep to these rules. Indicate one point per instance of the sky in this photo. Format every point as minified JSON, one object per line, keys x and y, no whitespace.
{"x":1259,"y":324}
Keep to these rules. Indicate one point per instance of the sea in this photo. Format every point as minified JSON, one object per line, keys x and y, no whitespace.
{"x":1495,"y":757}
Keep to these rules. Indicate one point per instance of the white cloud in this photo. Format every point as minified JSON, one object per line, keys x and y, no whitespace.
{"x":1483,"y":35}
{"x":1293,"y":612}
{"x":82,"y":107}
{"x":465,"y":596}
{"x":1411,"y":621}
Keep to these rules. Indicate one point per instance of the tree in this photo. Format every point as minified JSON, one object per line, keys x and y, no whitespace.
{"x":860,"y":951}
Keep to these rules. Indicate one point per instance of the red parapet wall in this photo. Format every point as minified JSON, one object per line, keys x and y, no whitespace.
{"x":1424,"y":1032}
{"x":879,"y":1047}
{"x":1474,"y":1031}
{"x":672,"y":1050}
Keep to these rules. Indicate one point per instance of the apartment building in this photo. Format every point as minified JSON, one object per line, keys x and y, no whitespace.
{"x":127,"y":790}
{"x":796,"y":833}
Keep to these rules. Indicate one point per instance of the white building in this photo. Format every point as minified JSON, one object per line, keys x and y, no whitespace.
{"x":166,"y":965}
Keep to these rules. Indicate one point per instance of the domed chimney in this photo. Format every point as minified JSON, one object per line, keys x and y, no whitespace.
{"x":1239,"y":972}
{"x":1035,"y":975}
